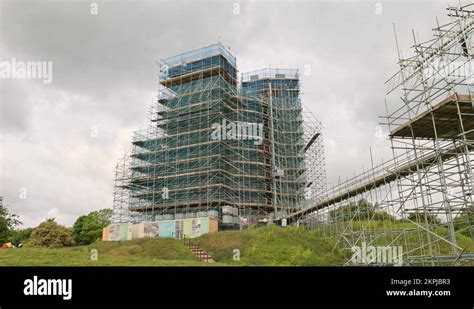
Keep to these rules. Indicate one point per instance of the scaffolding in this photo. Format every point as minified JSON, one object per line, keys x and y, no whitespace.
{"x":215,"y":142}
{"x":421,"y":199}
{"x":121,"y":196}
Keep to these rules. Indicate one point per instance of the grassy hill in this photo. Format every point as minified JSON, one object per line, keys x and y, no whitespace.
{"x":262,"y":246}
{"x":267,"y":246}
{"x":271,"y":246}
{"x":139,"y":252}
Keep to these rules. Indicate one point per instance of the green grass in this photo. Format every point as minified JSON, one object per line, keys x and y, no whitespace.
{"x":139,"y":252}
{"x":416,"y":236}
{"x":415,"y":240}
{"x":272,"y":246}
{"x":266,"y":246}
{"x":262,"y":246}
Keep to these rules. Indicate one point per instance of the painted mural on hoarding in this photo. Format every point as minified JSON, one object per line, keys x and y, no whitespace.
{"x":105,"y":233}
{"x":125,"y":232}
{"x":196,"y":228}
{"x":178,"y":229}
{"x":178,"y":233}
{"x":167,"y":229}
{"x":204,"y":226}
{"x":138,"y":230}
{"x":151,"y":229}
{"x":114,"y":232}
{"x":188,"y":227}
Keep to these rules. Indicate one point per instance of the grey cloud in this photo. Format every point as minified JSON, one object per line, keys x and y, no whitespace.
{"x":14,"y":110}
{"x":105,"y":75}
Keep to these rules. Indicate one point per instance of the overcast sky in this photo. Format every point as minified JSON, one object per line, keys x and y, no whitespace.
{"x":60,"y":141}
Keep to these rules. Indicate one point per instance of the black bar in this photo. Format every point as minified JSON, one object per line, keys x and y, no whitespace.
{"x":260,"y":285}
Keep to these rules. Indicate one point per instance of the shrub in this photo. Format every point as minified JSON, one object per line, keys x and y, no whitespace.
{"x":49,"y":234}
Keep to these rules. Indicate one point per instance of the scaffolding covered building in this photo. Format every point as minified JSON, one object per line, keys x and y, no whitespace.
{"x":237,"y":149}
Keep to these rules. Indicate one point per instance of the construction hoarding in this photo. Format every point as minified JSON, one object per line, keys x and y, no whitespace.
{"x":167,"y":229}
{"x":189,"y":228}
{"x":105,"y":233}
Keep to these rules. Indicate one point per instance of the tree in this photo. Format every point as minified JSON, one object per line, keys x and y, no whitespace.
{"x":362,"y":210}
{"x":419,"y":218}
{"x":20,"y":235}
{"x":8,"y":221}
{"x":88,"y":229}
{"x":77,"y":229}
{"x":49,"y":234}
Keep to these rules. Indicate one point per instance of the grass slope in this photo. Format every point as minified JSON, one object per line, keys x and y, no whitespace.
{"x":272,"y":246}
{"x":267,"y":246}
{"x":139,"y":252}
{"x":416,"y":237}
